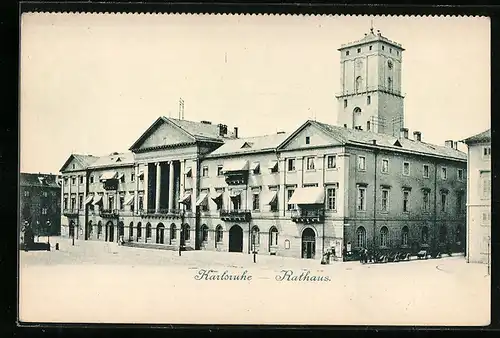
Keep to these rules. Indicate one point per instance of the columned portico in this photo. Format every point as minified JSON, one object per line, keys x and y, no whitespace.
{"x":158,"y":186}
{"x":171,"y":187}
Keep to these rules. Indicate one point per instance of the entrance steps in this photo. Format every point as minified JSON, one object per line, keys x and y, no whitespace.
{"x":155,"y":246}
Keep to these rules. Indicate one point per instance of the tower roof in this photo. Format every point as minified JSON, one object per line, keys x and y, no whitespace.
{"x":371,"y":37}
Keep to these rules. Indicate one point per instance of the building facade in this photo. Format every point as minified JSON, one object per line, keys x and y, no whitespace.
{"x":296,"y":194}
{"x":479,"y":198}
{"x":40,"y":205}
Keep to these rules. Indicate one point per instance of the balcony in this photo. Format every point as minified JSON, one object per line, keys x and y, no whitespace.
{"x":365,"y":90}
{"x":71,"y":212}
{"x":235,"y":215}
{"x":108,"y":213}
{"x":162,"y":213}
{"x":308,"y":216}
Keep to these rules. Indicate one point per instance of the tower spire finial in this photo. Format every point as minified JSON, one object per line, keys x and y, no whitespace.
{"x":371,"y":26}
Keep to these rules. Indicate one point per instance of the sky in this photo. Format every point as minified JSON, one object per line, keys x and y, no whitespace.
{"x":93,"y":83}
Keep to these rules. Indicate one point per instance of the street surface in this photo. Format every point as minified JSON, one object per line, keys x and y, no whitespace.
{"x":106,"y":283}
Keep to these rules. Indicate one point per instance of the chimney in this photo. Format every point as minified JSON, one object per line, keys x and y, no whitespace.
{"x":417,"y":136}
{"x":222,"y":129}
{"x":448,"y":143}
{"x":374,"y":142}
{"x":455,"y":145}
{"x":280,"y":132}
{"x":236,"y":132}
{"x":403,"y":133}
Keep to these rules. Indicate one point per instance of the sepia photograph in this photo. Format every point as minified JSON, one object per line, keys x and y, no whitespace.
{"x":254,"y":169}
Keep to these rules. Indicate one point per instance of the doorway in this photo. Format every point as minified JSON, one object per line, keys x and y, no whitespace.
{"x":110,"y":232}
{"x":160,"y":234}
{"x":308,"y":243}
{"x":236,"y":239}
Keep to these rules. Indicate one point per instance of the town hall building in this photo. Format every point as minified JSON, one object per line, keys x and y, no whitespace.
{"x":363,"y":183}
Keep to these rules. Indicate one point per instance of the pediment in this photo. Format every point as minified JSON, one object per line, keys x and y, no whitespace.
{"x":162,"y":133}
{"x":72,"y":164}
{"x":316,"y":136}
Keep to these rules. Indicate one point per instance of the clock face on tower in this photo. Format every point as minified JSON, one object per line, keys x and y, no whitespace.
{"x":389,"y":64}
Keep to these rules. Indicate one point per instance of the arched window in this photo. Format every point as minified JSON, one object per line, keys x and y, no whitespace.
{"x":255,"y":235}
{"x":425,"y":235}
{"x":173,"y":232}
{"x":404,"y":235}
{"x":131,"y":230}
{"x":442,"y":234}
{"x":359,"y":84}
{"x":99,"y":229}
{"x":273,"y":236}
{"x":187,"y":232}
{"x":357,"y":110}
{"x":361,"y":236}
{"x":384,"y":232}
{"x":219,"y":233}
{"x":389,"y":83}
{"x":204,"y":233}
{"x":90,"y":228}
{"x":148,"y":230}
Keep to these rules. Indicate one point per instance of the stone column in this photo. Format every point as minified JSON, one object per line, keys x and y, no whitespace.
{"x":158,"y":186}
{"x":171,"y":186}
{"x":146,"y":187}
{"x":181,"y":183}
{"x":282,"y":169}
{"x":136,"y":189}
{"x":195,"y":185}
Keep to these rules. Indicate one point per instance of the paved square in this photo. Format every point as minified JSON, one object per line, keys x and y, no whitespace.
{"x":103,"y":282}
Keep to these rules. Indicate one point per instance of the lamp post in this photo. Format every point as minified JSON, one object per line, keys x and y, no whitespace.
{"x":181,"y":232}
{"x":48,"y":231}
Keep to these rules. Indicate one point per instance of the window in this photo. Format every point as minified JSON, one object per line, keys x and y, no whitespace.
{"x":361,"y":163}
{"x":330,"y":195}
{"x":310,"y":163}
{"x":389,"y":83}
{"x":383,"y":47}
{"x":308,"y":140}
{"x":132,"y":177}
{"x":485,"y":184}
{"x":219,"y":170}
{"x":368,"y":99}
{"x":460,"y":174}
{"x":122,"y":178}
{"x":385,"y":200}
{"x":347,"y":53}
{"x":256,"y":168}
{"x":443,"y":233}
{"x":368,"y":126}
{"x":361,"y":237}
{"x":404,"y":236}
{"x":204,"y":233}
{"x":345,"y":103}
{"x":81,"y":179}
{"x":148,"y":230}
{"x":141,"y":203}
{"x":385,"y":166}
{"x":289,"y":195}
{"x":425,"y":235}
{"x":80,"y":201}
{"x":73,"y":166}
{"x":460,"y":204}
{"x":359,"y":50}
{"x":426,"y":171}
{"x":219,"y":234}
{"x":204,"y":171}
{"x":73,"y":204}
{"x":255,"y":236}
{"x":384,"y":234}
{"x":331,"y":161}
{"x":444,"y":173}
{"x":291,"y":164}
{"x":256,"y":201}
{"x":361,"y":204}
{"x":44,"y":211}
{"x":406,"y":168}
{"x":173,"y":232}
{"x":426,"y":201}
{"x":443,"y":202}
{"x":406,"y":201}
{"x":187,"y":232}
{"x":91,"y":179}
{"x":26,"y":193}
{"x":371,"y":47}
{"x":390,"y":50}
{"x":44,"y":194}
{"x":359,"y":84}
{"x":65,"y":203}
{"x":73,"y":180}
{"x":122,"y":202}
{"x":131,"y":230}
{"x":111,"y":202}
{"x":485,"y":217}
{"x":273,"y":236}
{"x":487,"y":153}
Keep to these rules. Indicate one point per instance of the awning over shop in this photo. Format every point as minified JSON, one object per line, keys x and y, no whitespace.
{"x":235,"y":193}
{"x":273,"y":165}
{"x":89,"y":199}
{"x":217,"y":196}
{"x":97,"y":199}
{"x":309,"y":195}
{"x":141,"y":173}
{"x":186,"y":198}
{"x":188,"y":171}
{"x":119,"y":176}
{"x":109,"y":175}
{"x":129,"y":200}
{"x":235,"y":166}
{"x":270,"y":197}
{"x":202,"y":199}
{"x":255,"y":166}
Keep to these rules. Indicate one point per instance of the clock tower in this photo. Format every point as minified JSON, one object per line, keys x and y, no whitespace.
{"x":370,"y":95}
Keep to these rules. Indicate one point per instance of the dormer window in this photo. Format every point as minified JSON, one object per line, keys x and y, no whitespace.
{"x":359,"y":50}
{"x":308,"y":140}
{"x":347,"y":53}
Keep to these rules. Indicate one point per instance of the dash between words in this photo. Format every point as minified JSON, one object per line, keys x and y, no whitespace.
{"x":283,"y":276}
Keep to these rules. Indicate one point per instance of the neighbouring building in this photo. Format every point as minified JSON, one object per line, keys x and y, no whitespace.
{"x":362,"y":183}
{"x":479,"y":198}
{"x":39,"y":204}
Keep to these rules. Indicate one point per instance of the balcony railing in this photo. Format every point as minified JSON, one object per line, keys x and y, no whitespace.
{"x":164,"y":213}
{"x":70,"y":212}
{"x":235,"y":215}
{"x":308,"y":216}
{"x":108,"y":213}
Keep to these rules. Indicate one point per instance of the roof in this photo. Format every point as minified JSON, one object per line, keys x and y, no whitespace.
{"x":38,"y":180}
{"x":84,"y":160}
{"x":481,"y":137}
{"x":114,"y":160}
{"x":371,"y":37}
{"x":199,"y":130}
{"x":250,"y":144}
{"x":354,"y":136}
